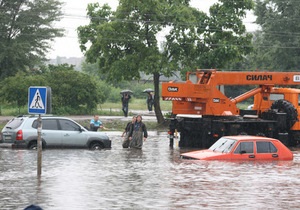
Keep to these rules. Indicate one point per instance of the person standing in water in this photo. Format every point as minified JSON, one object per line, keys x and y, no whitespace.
{"x":95,"y":123}
{"x":128,"y":128}
{"x":138,"y":134}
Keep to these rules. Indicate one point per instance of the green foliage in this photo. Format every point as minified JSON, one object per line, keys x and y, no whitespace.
{"x":114,"y":96}
{"x":138,"y":90}
{"x":125,"y":42}
{"x":67,"y":110}
{"x":15,"y":89}
{"x":64,"y":67}
{"x":104,"y":91}
{"x":72,"y":89}
{"x":73,"y":92}
{"x":26,"y":31}
{"x":91,"y":69}
{"x":277,"y":44}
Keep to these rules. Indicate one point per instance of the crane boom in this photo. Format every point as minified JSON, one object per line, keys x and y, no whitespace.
{"x":200,"y":93}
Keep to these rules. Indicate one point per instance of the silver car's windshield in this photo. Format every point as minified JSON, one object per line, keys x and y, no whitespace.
{"x":223,"y":145}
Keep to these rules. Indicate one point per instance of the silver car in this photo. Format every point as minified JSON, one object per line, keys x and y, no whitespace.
{"x":57,"y":132}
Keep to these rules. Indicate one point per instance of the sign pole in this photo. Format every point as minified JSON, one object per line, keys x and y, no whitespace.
{"x":39,"y":147}
{"x":39,"y":102}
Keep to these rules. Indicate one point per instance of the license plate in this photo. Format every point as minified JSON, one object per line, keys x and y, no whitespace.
{"x":7,"y":137}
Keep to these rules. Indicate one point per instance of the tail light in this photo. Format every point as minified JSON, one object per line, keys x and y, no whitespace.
{"x":19,"y":135}
{"x":216,"y":135}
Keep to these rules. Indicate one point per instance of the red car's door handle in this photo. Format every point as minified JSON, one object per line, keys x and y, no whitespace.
{"x":251,"y":156}
{"x":274,"y":155}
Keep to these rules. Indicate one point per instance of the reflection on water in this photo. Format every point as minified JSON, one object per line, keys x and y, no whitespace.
{"x":152,"y":178}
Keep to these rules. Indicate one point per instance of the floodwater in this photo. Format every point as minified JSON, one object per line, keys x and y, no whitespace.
{"x":152,"y":178}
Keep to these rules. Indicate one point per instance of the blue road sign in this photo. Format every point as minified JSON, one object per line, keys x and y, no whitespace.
{"x":37,"y":100}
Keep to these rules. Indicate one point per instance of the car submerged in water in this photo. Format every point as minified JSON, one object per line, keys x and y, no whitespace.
{"x":243,"y":148}
{"x":57,"y":132}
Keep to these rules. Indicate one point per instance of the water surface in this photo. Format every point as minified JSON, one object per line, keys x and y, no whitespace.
{"x":152,"y":178}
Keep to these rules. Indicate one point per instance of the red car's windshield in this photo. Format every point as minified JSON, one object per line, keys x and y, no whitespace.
{"x":223,"y":145}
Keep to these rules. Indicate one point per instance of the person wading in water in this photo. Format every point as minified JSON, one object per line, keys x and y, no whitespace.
{"x":128,"y":127}
{"x":138,"y":134}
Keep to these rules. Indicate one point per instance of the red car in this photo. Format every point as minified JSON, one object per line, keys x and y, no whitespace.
{"x":243,"y":148}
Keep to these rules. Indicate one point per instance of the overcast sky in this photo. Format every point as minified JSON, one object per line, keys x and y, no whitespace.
{"x":75,"y":15}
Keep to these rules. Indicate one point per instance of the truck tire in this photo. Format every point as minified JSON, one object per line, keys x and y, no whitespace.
{"x":288,"y":108}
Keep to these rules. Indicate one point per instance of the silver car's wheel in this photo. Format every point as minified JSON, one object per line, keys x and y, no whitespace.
{"x":96,"y":146}
{"x":33,"y":146}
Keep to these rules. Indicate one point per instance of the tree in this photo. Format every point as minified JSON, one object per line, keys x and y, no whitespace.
{"x":74,"y":89}
{"x":70,"y":89}
{"x":277,"y":44}
{"x":26,"y":32}
{"x":15,"y":89}
{"x":126,"y":42}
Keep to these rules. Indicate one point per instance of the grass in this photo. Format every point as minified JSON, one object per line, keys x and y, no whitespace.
{"x":136,"y":104}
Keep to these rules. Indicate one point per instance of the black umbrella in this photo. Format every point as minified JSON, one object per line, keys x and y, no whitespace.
{"x":148,"y":90}
{"x":126,"y":91}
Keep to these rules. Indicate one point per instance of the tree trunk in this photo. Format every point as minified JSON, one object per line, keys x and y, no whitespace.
{"x":157,"y":109}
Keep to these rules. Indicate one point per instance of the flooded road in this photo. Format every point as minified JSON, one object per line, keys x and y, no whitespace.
{"x":152,"y":178}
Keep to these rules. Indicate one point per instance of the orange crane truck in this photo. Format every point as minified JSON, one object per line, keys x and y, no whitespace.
{"x":202,"y":113}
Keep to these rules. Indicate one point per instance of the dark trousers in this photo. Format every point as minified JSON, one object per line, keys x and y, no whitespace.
{"x":93,"y":128}
{"x":125,"y":109}
{"x":150,"y":104}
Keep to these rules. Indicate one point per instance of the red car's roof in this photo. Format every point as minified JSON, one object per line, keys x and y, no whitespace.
{"x":245,"y":137}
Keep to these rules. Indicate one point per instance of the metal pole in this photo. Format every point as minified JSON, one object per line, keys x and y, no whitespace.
{"x":171,"y":142}
{"x":172,"y":138}
{"x":39,"y":147}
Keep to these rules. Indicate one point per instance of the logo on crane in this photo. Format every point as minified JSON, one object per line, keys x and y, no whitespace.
{"x":172,"y":89}
{"x":216,"y":100}
{"x":259,"y":77}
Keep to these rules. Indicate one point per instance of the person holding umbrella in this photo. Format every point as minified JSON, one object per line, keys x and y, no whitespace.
{"x":150,"y":101}
{"x":150,"y":98}
{"x":125,"y":100}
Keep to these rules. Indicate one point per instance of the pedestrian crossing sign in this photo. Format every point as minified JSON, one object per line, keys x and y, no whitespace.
{"x":37,"y":100}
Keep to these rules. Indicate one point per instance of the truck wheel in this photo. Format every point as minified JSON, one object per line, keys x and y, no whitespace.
{"x":288,"y":108}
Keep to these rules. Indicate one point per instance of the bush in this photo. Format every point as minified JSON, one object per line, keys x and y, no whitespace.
{"x":71,"y":111}
{"x":114,"y":95}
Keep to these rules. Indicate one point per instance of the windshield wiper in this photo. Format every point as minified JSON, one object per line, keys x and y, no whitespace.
{"x":228,"y":148}
{"x":220,"y":145}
